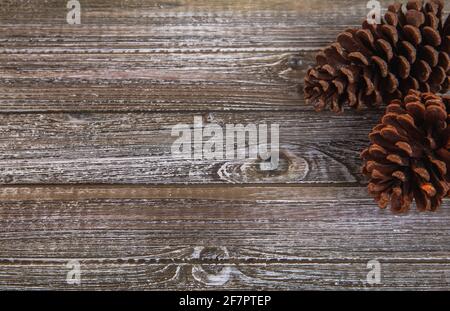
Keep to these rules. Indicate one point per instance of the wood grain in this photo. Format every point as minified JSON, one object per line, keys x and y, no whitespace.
{"x":86,"y":171}
{"x":136,"y":148}
{"x":205,"y":237}
{"x":163,"y":56}
{"x":191,"y":276}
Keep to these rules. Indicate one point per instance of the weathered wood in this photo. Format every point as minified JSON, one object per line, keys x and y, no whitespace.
{"x":283,"y":224}
{"x":183,"y":237}
{"x":170,"y":56}
{"x":203,"y":276}
{"x":136,"y":148}
{"x":86,"y":171}
{"x":129,"y":82}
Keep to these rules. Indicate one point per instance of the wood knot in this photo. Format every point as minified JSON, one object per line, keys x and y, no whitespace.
{"x":291,"y":168}
{"x":294,"y":62}
{"x":212,"y":272}
{"x":293,"y":67}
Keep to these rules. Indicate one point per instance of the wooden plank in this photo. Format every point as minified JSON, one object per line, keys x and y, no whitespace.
{"x":188,"y":276}
{"x":161,"y":82}
{"x":136,"y":148}
{"x":208,"y":237}
{"x":108,"y":223}
{"x":171,"y":56}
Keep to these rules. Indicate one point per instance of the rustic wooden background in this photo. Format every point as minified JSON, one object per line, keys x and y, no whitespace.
{"x":86,"y":172}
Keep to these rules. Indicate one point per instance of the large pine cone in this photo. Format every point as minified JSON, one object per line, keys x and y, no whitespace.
{"x":382,"y":62}
{"x":409,"y":155}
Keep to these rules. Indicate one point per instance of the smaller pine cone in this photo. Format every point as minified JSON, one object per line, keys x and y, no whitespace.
{"x":409,"y":155}
{"x":374,"y":64}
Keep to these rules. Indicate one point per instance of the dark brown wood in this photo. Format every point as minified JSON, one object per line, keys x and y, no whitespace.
{"x":170,"y":56}
{"x":208,"y":237}
{"x":86,"y":171}
{"x":136,"y":148}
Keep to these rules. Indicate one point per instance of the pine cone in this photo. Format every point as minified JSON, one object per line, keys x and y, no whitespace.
{"x":379,"y":63}
{"x":409,"y":155}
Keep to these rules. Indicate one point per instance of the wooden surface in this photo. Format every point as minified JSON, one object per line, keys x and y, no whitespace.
{"x":87,"y":174}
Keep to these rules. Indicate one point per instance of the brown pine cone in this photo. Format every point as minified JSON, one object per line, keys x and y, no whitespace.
{"x":378,"y":63}
{"x":409,"y":155}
